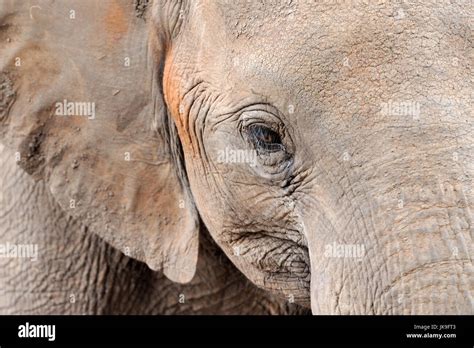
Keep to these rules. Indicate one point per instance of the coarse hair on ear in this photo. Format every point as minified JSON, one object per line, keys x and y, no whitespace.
{"x":82,"y":105}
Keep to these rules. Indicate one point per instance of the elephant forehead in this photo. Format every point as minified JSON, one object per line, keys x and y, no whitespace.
{"x":251,"y":19}
{"x":297,"y":35}
{"x":313,"y":49}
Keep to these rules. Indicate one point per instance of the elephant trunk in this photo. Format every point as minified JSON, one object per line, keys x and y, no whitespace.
{"x":399,"y":255}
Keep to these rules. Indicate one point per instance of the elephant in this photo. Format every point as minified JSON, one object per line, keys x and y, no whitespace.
{"x":237,"y":157}
{"x":76,"y":272}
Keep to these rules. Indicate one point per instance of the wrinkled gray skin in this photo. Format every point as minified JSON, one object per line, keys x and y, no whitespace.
{"x":78,"y":273}
{"x":344,"y":169}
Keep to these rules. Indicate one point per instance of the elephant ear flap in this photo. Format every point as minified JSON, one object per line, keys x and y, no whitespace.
{"x":81,"y":104}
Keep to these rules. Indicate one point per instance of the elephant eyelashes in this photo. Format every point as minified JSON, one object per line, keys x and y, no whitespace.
{"x":264,"y":138}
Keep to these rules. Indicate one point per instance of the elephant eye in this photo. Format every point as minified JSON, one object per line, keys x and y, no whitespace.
{"x":265,"y":138}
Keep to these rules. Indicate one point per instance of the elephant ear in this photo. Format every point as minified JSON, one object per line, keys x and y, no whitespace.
{"x":81,"y":103}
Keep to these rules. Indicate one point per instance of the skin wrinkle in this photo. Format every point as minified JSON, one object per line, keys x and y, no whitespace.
{"x":365,"y":217}
{"x":199,"y":123}
{"x":372,"y":229}
{"x":427,"y":286}
{"x":269,"y":251}
{"x":79,"y":262}
{"x":351,"y":161}
{"x":195,"y":103}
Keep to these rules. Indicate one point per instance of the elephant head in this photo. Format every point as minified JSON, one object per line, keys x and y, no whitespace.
{"x":326,"y":147}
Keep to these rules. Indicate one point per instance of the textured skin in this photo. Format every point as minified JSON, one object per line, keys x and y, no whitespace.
{"x":323,"y":86}
{"x":78,"y":273}
{"x":349,"y":168}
